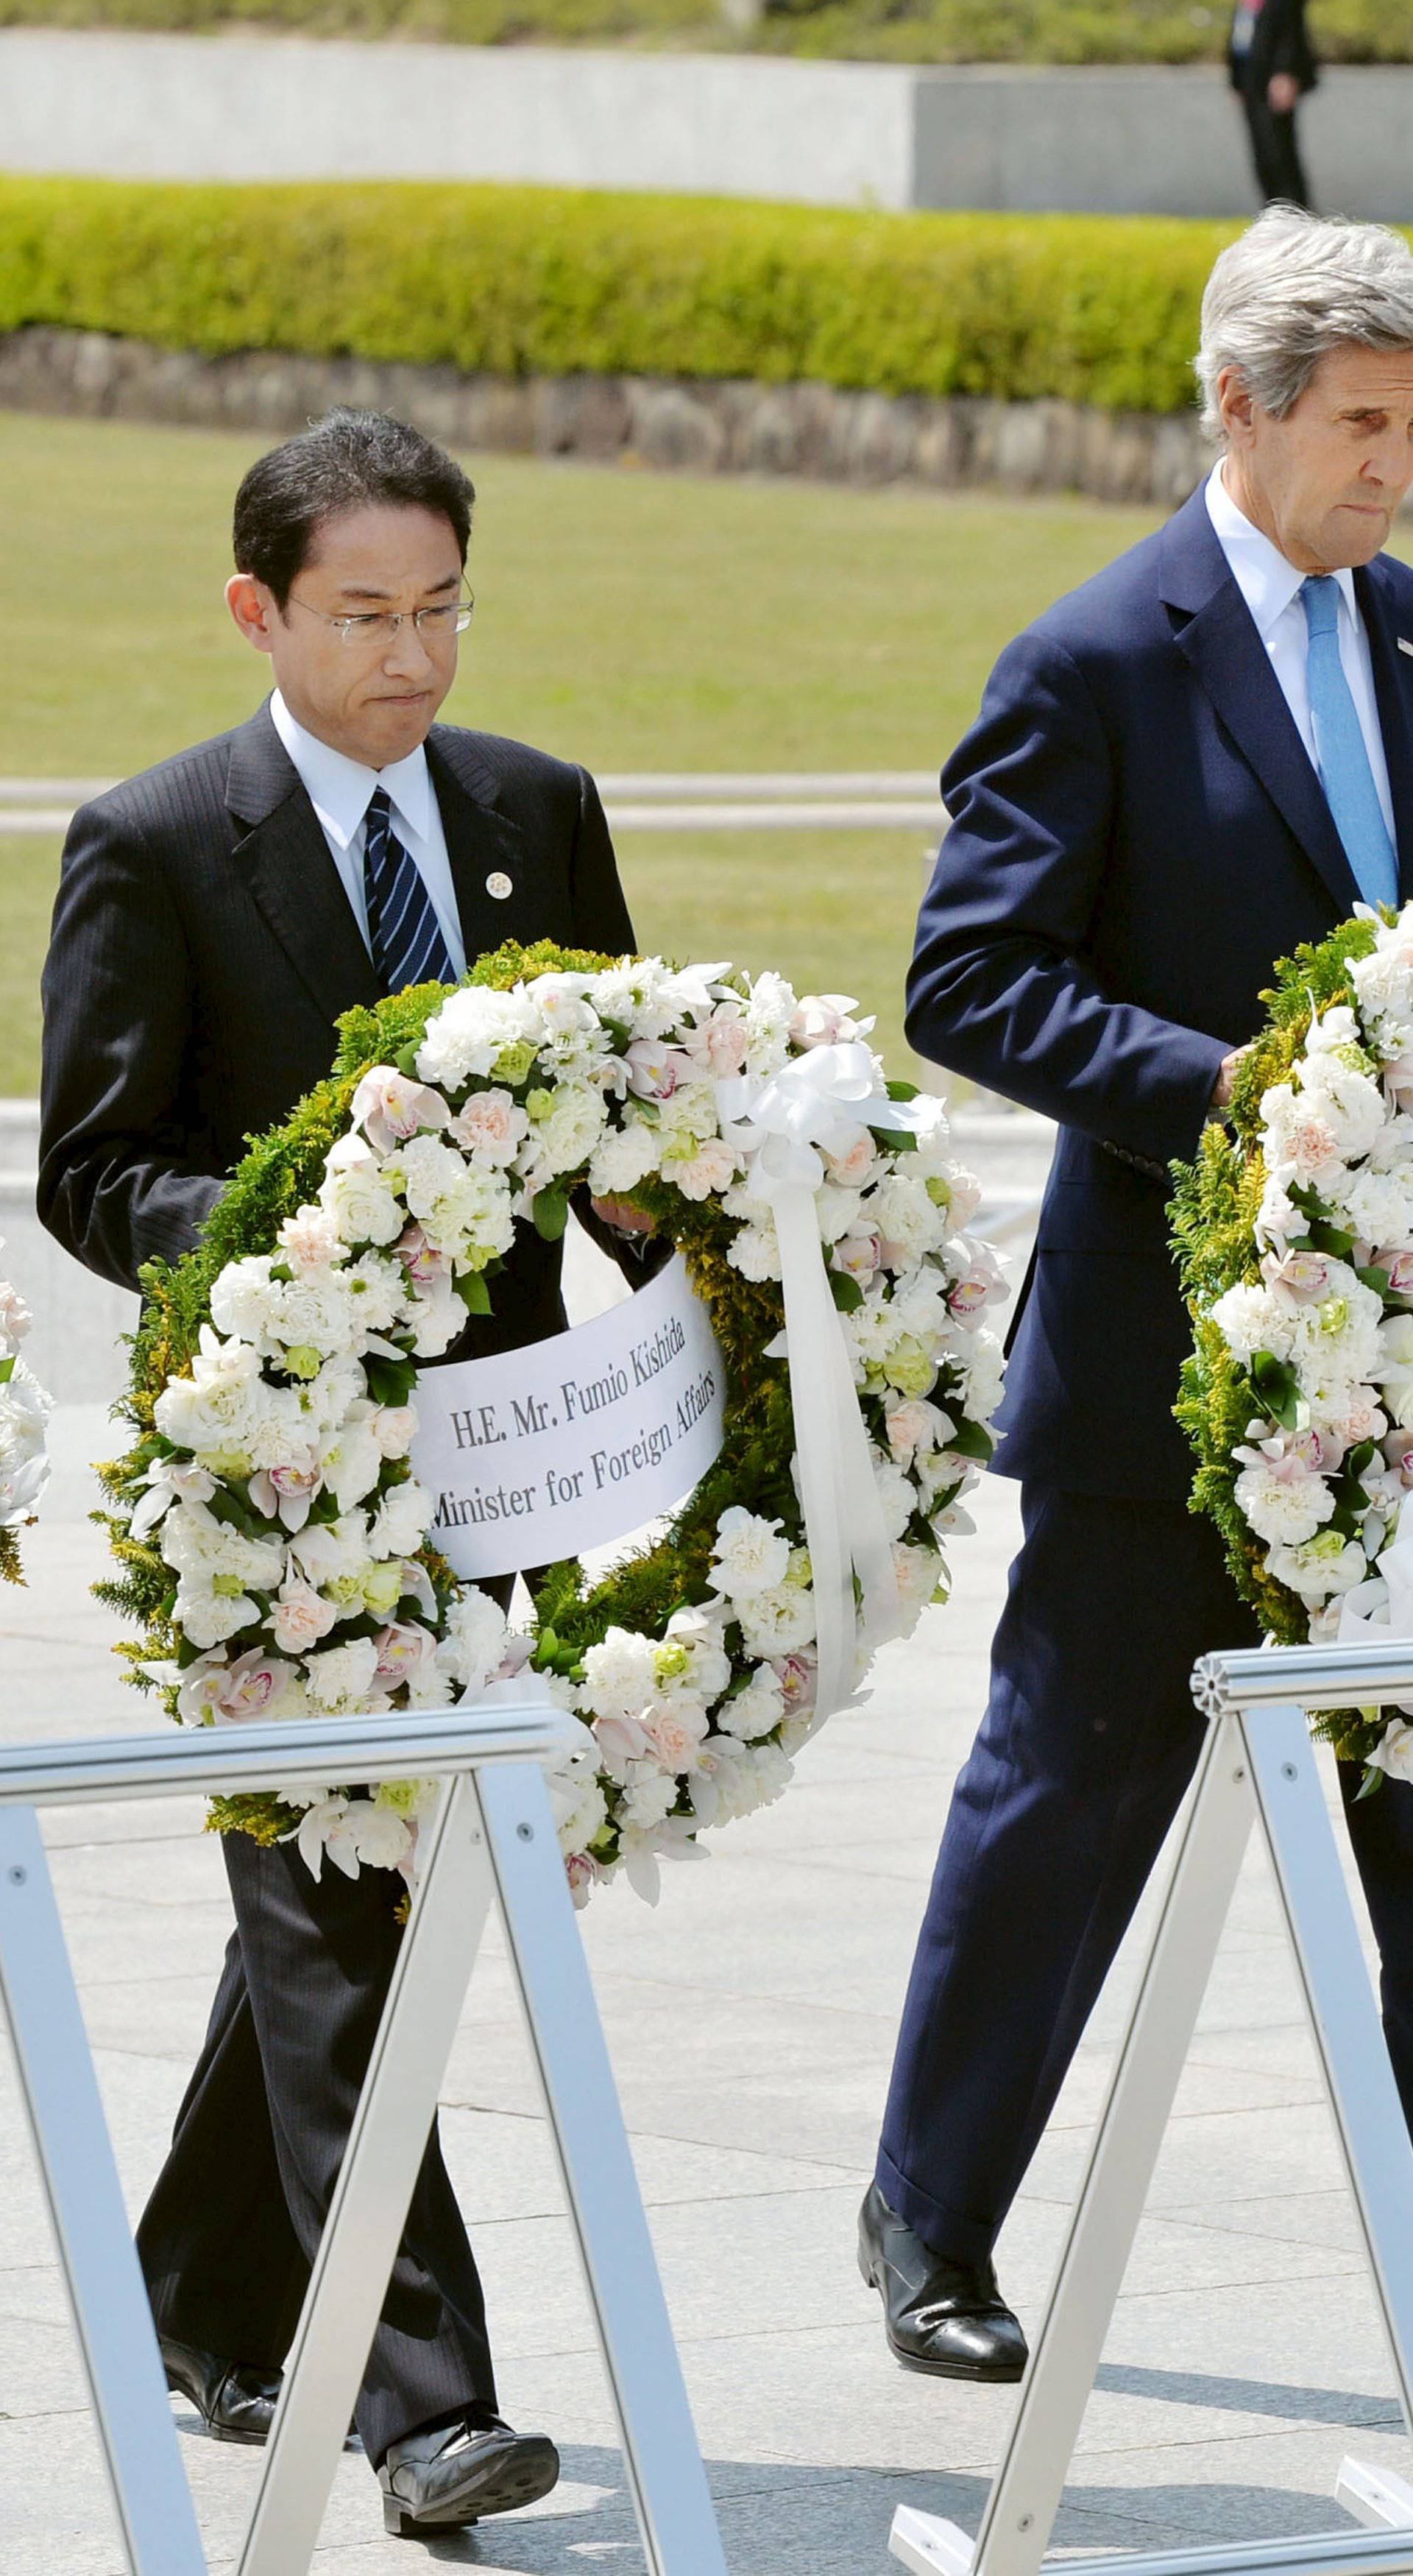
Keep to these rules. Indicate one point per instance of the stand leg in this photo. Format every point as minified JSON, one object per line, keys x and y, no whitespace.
{"x":369,"y":2207}
{"x":1354,"y":2058}
{"x":1025,"y":2498}
{"x":100,"y":2266}
{"x":665,"y":2472}
{"x":1378,"y":2498}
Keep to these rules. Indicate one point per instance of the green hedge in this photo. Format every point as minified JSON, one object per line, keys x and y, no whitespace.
{"x":935,"y":31}
{"x":529,"y":281}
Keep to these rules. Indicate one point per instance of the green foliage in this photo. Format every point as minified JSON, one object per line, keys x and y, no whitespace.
{"x":937,"y":31}
{"x":1213,"y":1214}
{"x":521,"y":281}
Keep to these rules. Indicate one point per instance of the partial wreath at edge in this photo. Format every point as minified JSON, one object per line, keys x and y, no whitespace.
{"x":1294,"y":1234}
{"x":271,"y":1536}
{"x":25,"y":1408}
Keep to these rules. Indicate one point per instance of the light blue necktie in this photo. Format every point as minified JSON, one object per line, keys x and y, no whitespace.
{"x":403,"y":930}
{"x":1345,"y":773}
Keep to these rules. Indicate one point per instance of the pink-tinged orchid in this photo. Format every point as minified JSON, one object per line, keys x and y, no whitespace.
{"x":1305,"y":1275}
{"x":390,"y":1106}
{"x":286,"y":1493}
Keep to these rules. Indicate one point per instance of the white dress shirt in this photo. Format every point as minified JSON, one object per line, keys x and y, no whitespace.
{"x":1271,"y":589}
{"x":339,"y":790}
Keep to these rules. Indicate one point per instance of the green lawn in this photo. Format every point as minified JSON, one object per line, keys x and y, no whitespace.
{"x":628,"y":620}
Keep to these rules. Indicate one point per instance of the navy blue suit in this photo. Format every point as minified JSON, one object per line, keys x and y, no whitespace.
{"x":1137,"y":834}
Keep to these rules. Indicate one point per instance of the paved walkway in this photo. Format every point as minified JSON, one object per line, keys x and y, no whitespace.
{"x":751,"y":2020}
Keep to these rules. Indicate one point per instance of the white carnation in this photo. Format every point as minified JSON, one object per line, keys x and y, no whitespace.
{"x":749,"y":1554}
{"x":464,"y":1037}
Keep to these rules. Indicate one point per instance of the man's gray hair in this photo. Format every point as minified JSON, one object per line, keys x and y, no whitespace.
{"x":1294,"y":287}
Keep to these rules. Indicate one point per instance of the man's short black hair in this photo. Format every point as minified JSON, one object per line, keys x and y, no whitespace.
{"x":349,"y":460}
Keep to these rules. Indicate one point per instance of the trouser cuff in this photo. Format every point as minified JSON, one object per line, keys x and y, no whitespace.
{"x":952,"y":2233}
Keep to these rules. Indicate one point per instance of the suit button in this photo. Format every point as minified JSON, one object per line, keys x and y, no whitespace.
{"x":499,"y":885}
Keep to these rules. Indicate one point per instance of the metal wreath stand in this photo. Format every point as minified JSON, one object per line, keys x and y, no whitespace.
{"x":1258,"y":1767}
{"x":493,"y":1836}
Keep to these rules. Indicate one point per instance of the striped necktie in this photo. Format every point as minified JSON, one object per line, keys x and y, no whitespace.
{"x":403,"y":929}
{"x":1345,"y":770}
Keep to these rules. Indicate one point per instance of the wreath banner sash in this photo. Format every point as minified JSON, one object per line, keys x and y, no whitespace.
{"x":538,"y":1454}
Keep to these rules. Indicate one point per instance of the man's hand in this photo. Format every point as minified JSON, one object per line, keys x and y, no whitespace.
{"x":1222,"y":1088}
{"x":622,"y":1216}
{"x":1282,"y":93}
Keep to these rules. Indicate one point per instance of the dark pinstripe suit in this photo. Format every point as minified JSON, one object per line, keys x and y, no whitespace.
{"x":203,"y":946}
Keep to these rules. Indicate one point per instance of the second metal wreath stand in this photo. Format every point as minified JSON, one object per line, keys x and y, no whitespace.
{"x":1258,"y":1767}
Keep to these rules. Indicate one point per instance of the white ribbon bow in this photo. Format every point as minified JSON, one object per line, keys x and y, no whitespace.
{"x":822,"y":1099}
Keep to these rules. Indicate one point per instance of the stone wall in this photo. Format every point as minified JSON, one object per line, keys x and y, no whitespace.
{"x":695,"y":426}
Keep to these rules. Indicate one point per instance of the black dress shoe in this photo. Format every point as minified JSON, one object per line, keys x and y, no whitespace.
{"x":235,"y":2403}
{"x":945,"y":2317}
{"x":458,"y":2473}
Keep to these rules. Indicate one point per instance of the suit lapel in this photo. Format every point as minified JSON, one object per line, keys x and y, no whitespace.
{"x":286,"y":862}
{"x":486,"y":849}
{"x":1393,"y":689}
{"x":1218,"y":637}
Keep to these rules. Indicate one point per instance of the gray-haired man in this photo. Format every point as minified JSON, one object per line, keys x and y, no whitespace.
{"x":1195,"y":762}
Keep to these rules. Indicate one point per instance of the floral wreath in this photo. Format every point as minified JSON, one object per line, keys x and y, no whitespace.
{"x":24,"y":1412}
{"x":272,"y":1537}
{"x":1295,"y":1237}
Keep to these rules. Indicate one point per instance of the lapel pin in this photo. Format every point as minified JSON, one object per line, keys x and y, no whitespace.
{"x":498,"y":883}
{"x":1403,"y":645}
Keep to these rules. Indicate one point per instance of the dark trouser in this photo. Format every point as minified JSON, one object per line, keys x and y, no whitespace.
{"x":231,"y":2229}
{"x":1274,"y":149}
{"x":1089,"y":1740}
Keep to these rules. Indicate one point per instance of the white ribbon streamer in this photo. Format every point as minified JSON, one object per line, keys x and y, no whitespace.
{"x":822,"y":1099}
{"x":1377,"y":1612}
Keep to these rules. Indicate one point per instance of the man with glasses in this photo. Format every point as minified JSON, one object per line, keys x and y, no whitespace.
{"x":214,"y":918}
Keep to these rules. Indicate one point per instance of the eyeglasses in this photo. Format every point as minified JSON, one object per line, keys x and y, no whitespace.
{"x":383,"y":625}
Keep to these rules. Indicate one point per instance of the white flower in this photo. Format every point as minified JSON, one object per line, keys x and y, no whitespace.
{"x":401,"y":1521}
{"x":1283,"y":1508}
{"x":713,"y":1167}
{"x":1320,"y":1566}
{"x":897,"y":1498}
{"x":491,"y":1128}
{"x":777,"y":1621}
{"x":24,"y":1466}
{"x":194,"y":1542}
{"x":914,"y":1425}
{"x":472,"y":1028}
{"x":463,"y":1209}
{"x":309,"y":1240}
{"x":918,"y":1572}
{"x":758,"y":1709}
{"x":565,"y":1125}
{"x":342,"y":1679}
{"x":358,"y":1198}
{"x":395,"y":1429}
{"x":755,"y":1253}
{"x":623,"y":1157}
{"x":770,"y":1008}
{"x":1394,"y":1751}
{"x":620,"y":1674}
{"x":749,"y":1554}
{"x":300,"y":1616}
{"x":214,"y":1412}
{"x":905,"y":1217}
{"x":474,"y":1644}
{"x":351,"y":1462}
{"x":1252,"y":1319}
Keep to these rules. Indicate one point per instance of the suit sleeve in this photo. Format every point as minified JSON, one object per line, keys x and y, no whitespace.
{"x":117,"y":1181}
{"x":1001,"y":987}
{"x":600,"y":911}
